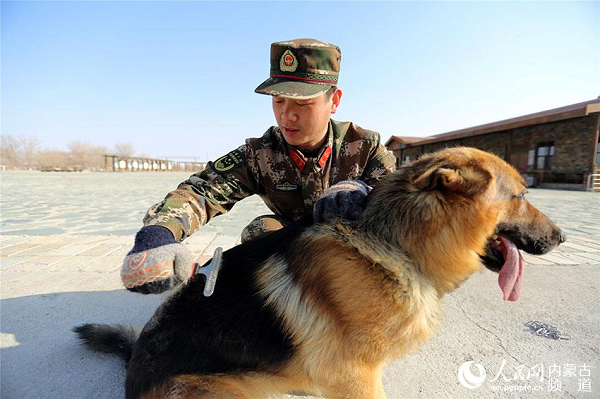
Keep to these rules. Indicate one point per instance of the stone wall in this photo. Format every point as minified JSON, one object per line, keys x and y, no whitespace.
{"x":573,"y":140}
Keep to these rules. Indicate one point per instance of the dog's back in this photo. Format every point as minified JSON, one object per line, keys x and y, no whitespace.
{"x":232,"y":331}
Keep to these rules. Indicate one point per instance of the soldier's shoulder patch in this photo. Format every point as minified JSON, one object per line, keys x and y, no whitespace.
{"x":227,"y":162}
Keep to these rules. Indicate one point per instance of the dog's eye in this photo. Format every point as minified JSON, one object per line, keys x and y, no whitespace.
{"x":521,"y":195}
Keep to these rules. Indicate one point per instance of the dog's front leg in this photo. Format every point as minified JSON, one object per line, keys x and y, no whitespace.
{"x":190,"y":386}
{"x":364,"y":384}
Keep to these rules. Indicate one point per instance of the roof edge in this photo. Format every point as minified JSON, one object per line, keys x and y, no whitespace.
{"x":553,"y":115}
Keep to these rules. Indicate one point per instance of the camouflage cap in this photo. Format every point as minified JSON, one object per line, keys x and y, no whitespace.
{"x":302,"y":68}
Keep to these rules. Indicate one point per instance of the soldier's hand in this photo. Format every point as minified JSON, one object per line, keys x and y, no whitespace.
{"x":344,"y":200}
{"x":156,"y":263}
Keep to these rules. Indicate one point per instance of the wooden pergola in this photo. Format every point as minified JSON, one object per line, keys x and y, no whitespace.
{"x":116,"y":163}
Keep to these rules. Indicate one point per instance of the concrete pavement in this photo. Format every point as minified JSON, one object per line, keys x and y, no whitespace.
{"x":49,"y":283}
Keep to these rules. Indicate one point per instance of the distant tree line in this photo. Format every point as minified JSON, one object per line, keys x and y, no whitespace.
{"x":26,"y":153}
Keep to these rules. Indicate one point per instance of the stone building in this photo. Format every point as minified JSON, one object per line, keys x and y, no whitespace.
{"x":557,"y":148}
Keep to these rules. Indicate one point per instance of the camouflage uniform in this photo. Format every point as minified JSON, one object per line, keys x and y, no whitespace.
{"x":261,"y":225}
{"x":288,"y":181}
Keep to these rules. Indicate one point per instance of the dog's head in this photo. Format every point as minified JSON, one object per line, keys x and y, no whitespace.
{"x":459,"y":176}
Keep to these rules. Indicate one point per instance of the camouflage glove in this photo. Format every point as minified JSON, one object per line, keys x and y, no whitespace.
{"x":156,"y":263}
{"x":344,"y":200}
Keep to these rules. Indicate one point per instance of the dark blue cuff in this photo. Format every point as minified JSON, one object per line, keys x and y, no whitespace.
{"x":152,"y":237}
{"x":365,"y":185}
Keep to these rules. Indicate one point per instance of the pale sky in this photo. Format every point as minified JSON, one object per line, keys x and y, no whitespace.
{"x":178,"y":78}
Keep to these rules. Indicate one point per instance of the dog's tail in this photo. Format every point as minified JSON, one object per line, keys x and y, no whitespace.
{"x":115,"y":339}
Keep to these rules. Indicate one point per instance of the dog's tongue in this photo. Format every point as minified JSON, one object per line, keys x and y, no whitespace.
{"x":510,"y":277}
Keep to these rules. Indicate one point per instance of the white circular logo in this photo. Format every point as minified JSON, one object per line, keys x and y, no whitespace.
{"x":468,"y":379}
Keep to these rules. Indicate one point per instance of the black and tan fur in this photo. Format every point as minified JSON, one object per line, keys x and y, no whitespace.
{"x":322,"y":308}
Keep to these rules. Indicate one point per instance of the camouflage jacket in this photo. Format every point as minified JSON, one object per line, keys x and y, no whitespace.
{"x":288,"y":181}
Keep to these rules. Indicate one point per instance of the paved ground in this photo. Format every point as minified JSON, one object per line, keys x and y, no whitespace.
{"x":51,"y":282}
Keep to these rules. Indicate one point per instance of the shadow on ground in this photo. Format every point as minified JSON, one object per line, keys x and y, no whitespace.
{"x":44,"y":359}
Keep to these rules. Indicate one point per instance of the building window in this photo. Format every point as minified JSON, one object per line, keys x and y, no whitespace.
{"x":544,"y":155}
{"x":531,"y":158}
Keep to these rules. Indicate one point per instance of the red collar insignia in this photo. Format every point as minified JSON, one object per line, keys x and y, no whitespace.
{"x":300,"y":163}
{"x":325,"y":156}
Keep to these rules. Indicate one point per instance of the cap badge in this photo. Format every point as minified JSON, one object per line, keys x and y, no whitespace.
{"x":288,"y":62}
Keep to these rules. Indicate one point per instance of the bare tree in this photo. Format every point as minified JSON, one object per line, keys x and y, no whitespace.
{"x":79,"y":152}
{"x":10,"y":152}
{"x":124,"y":149}
{"x":86,"y":155}
{"x":29,"y":147}
{"x":97,"y":157}
{"x":52,"y":158}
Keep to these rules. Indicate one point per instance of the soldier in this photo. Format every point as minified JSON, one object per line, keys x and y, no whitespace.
{"x":305,"y":157}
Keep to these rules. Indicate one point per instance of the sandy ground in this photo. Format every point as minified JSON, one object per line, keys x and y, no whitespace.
{"x":52,"y":280}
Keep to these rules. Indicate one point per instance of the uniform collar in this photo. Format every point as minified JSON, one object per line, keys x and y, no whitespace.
{"x":323,"y":155}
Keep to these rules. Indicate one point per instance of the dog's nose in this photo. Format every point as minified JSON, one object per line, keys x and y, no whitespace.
{"x":562,"y":236}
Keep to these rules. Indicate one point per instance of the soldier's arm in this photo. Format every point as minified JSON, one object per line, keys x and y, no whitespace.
{"x":205,"y":194}
{"x":380,"y":163}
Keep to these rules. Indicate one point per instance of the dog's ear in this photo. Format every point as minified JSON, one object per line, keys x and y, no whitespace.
{"x":469,"y":179}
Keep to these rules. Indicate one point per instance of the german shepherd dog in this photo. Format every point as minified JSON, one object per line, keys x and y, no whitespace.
{"x":321,"y":308}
